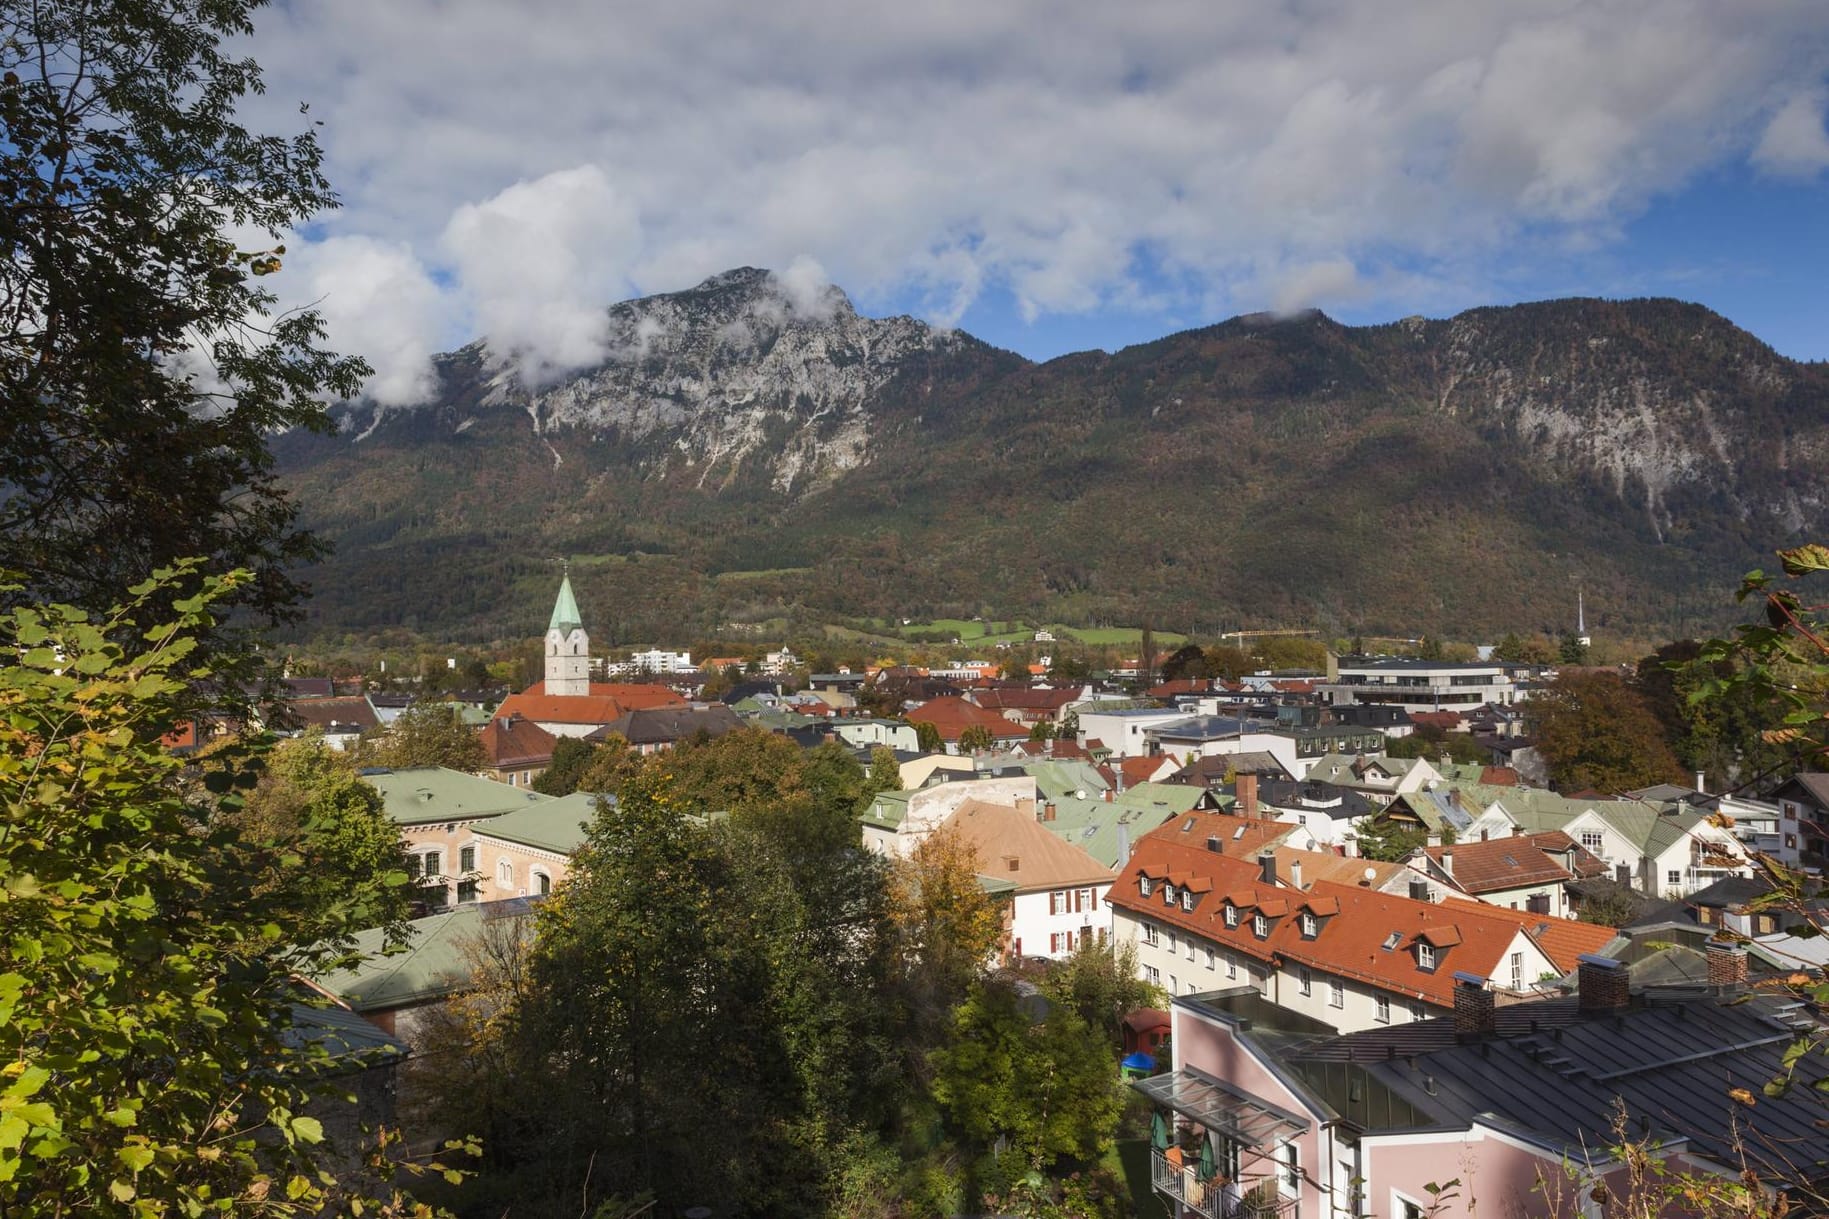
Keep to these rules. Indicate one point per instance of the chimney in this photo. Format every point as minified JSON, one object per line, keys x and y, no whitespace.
{"x":1517,"y":831}
{"x":1702,"y":781}
{"x":1245,"y":788}
{"x":1727,"y":964}
{"x":1266,"y":866}
{"x":1123,"y":845}
{"x":1475,"y":1014}
{"x":1448,"y":861}
{"x":1216,"y":844}
{"x":1602,"y":984}
{"x":1419,"y":890}
{"x":1485,"y":835}
{"x":1295,"y":874}
{"x":1048,"y":811}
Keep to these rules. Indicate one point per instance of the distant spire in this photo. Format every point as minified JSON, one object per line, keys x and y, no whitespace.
{"x":1581,"y":614}
{"x":566,"y":618}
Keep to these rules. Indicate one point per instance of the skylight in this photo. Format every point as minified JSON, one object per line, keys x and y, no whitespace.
{"x":1393,"y":940}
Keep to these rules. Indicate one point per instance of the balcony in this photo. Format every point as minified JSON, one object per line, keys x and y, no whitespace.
{"x":1216,"y":1200}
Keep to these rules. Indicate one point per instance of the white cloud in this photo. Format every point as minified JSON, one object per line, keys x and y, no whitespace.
{"x":1316,"y":285}
{"x":556,"y":155}
{"x":1794,"y":143}
{"x":539,"y":263}
{"x":377,"y":300}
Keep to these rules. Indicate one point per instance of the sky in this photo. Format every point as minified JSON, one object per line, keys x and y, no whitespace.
{"x":1050,"y":175}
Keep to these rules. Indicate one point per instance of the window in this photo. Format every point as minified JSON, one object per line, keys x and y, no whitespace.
{"x":1190,"y":944}
{"x":1152,"y":975}
{"x":466,"y":860}
{"x":1212,"y":959}
{"x":1231,"y":915}
{"x":1289,"y":1168}
{"x":1305,"y":980}
{"x":1673,"y":876}
{"x":1407,"y":1209}
{"x":504,"y":874}
{"x":1310,"y":926}
{"x":1336,"y":993}
{"x":542,"y":884}
{"x":1172,"y":985}
{"x":1425,"y":956}
{"x":1150,"y":935}
{"x":1168,"y":894}
{"x":467,"y":891}
{"x":1591,"y":840}
{"x":1383,"y":1014}
{"x":1143,"y":885}
{"x":1231,"y":966}
{"x":1057,"y":902}
{"x":1174,"y":941}
{"x":1417,"y":1012}
{"x":1517,"y":971}
{"x":1260,"y":926}
{"x":1187,"y":899}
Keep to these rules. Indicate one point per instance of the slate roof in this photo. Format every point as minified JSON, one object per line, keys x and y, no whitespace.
{"x":1320,"y":799}
{"x":1671,"y":1062}
{"x":354,"y":710}
{"x":1211,"y":771}
{"x":667,"y":725}
{"x":424,"y":794}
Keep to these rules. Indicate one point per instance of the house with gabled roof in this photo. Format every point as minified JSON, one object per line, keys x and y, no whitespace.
{"x":1664,"y":850}
{"x":1202,"y":916}
{"x":1529,"y":872}
{"x":1057,"y":890}
{"x":1374,"y":774}
{"x":516,"y":751}
{"x":951,"y":716}
{"x":438,"y":812}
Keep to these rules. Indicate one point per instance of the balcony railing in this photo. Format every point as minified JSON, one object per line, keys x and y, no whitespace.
{"x":1210,"y":1199}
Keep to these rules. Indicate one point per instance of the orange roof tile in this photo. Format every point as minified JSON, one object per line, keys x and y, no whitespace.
{"x":952,"y":715}
{"x":512,"y":741}
{"x":1011,"y":845}
{"x":607,"y":701}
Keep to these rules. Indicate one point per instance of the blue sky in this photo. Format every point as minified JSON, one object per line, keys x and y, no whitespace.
{"x":1052,"y":175}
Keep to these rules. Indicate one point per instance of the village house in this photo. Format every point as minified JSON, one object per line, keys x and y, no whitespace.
{"x":438,"y":812}
{"x":516,"y":751}
{"x":1517,"y":1106}
{"x":527,"y":853}
{"x":1057,"y":890}
{"x":1529,"y":872}
{"x":1213,"y":913}
{"x":952,"y":716}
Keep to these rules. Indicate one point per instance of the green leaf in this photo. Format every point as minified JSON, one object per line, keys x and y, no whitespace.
{"x":1805,"y":559}
{"x":121,"y":1191}
{"x":309,"y":1129}
{"x":135,"y":1156}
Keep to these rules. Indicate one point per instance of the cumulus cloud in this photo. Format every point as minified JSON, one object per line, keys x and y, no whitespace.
{"x":1795,"y":143}
{"x":540,"y":262}
{"x":378,"y":300}
{"x":551,"y":157}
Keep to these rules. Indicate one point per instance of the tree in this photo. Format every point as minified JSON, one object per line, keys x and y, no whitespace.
{"x":145,"y":962}
{"x":1431,"y":742}
{"x":309,"y":804}
{"x":1389,"y":841}
{"x":144,"y":368}
{"x":1048,"y":1090}
{"x":1069,"y":671}
{"x":1596,"y":732}
{"x":1228,"y":662}
{"x":427,"y":734}
{"x":572,"y":756}
{"x":1100,"y":982}
{"x":1188,"y":663}
{"x":1571,"y":650}
{"x":946,"y":924}
{"x":612,"y":762}
{"x":976,"y":738}
{"x":927,"y":737}
{"x":1043,"y":730}
{"x":885,"y":774}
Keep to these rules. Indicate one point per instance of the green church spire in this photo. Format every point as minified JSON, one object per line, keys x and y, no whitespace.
{"x":565,"y":611}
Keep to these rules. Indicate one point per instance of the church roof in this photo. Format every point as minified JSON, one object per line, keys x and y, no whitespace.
{"x":566,"y":618}
{"x":606,"y":703}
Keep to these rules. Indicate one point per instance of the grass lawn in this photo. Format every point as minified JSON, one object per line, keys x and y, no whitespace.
{"x":1113,"y":636}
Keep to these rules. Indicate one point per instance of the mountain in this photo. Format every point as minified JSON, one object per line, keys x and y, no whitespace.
{"x":743,"y":452}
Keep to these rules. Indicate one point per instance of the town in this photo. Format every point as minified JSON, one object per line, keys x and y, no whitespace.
{"x":1370,"y":967}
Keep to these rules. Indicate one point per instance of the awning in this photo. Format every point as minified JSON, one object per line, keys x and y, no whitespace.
{"x":1238,"y":1115}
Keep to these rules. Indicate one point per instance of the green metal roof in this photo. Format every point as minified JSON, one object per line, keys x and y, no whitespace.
{"x":995,"y":886}
{"x":424,"y":794}
{"x":566,"y":618}
{"x":887,"y":809}
{"x":1100,"y":827}
{"x":434,"y":963}
{"x":559,"y":826}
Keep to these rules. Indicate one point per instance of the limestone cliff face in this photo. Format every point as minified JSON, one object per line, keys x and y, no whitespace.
{"x":738,"y":375}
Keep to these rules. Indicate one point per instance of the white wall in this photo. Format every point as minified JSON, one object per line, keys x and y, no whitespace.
{"x":1034,"y":927}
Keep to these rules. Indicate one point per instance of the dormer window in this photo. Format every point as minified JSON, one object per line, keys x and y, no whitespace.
{"x":1231,"y":915}
{"x":1260,"y":926}
{"x":1311,"y":926}
{"x":1425,"y":956}
{"x":1187,"y":899}
{"x":1168,"y":894}
{"x":1143,"y":885}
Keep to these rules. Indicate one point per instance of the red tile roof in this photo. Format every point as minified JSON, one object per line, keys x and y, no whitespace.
{"x":1447,"y":721}
{"x":606,"y":702}
{"x":1372,"y":937}
{"x":512,"y":741}
{"x":1023,"y":698}
{"x":952,"y":715}
{"x":1515,"y":862}
{"x":1142,"y":770}
{"x":1501,"y":776}
{"x":1011,"y":845}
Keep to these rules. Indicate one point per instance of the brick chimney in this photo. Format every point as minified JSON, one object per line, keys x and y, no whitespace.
{"x":1245,"y":787}
{"x":1048,"y":811}
{"x":1727,"y":964}
{"x":1603,"y":984}
{"x":1475,"y":1014}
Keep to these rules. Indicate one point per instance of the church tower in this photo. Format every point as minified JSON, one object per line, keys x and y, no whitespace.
{"x":568,"y":648}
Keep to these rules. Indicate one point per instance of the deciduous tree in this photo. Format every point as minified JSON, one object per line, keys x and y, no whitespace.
{"x":1596,"y":733}
{"x":427,"y":734}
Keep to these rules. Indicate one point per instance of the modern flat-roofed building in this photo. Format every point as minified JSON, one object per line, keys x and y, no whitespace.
{"x":1419,"y":685}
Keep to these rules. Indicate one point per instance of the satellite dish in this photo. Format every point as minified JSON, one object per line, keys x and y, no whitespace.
{"x":1371,"y":874}
{"x":1080,"y":794}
